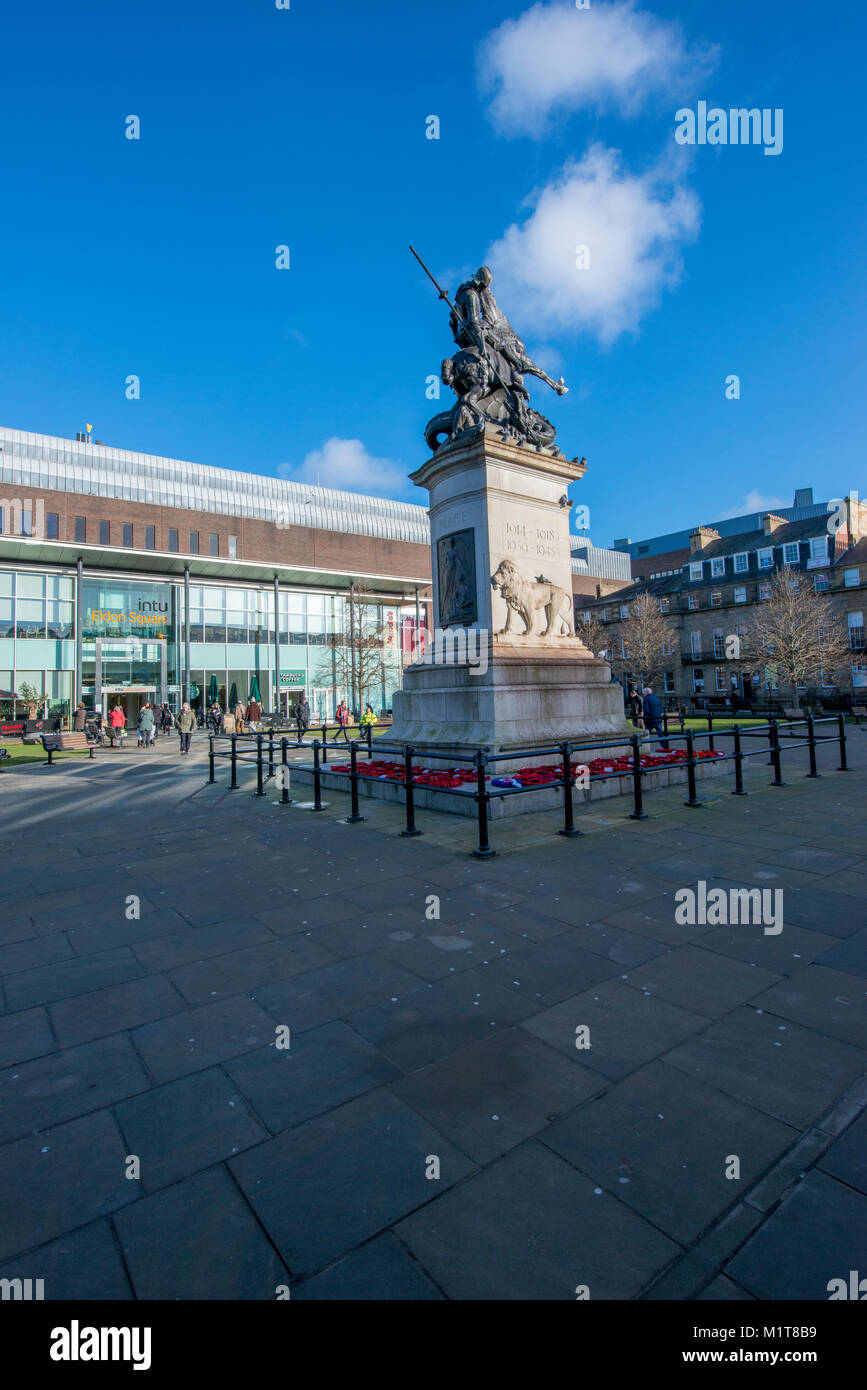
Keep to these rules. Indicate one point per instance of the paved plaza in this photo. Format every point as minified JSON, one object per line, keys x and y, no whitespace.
{"x":431,"y":1130}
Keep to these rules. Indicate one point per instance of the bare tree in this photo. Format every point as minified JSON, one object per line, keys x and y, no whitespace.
{"x":644,"y":642}
{"x":360,"y":659}
{"x":593,"y":634}
{"x":797,"y":633}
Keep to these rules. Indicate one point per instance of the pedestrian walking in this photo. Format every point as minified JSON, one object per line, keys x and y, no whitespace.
{"x":80,"y":719}
{"x":166,"y":719}
{"x":652,"y":709}
{"x":254,"y":714}
{"x":116,"y":726}
{"x":146,"y":724}
{"x":302,"y":717}
{"x":215,"y":718}
{"x":341,"y":714}
{"x":636,"y":708}
{"x":238,"y":712}
{"x":186,"y":723}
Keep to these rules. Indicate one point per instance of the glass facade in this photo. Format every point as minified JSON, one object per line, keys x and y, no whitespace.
{"x":133,"y":644}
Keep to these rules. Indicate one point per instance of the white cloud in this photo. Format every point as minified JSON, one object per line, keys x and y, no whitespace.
{"x":756,"y":501}
{"x":346,"y":464}
{"x":633,"y":225}
{"x":555,"y":59}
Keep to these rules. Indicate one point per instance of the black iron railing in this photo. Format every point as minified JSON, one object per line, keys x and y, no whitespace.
{"x":261,"y":750}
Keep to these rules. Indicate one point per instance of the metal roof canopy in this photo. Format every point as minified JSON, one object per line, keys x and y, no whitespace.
{"x":160,"y":564}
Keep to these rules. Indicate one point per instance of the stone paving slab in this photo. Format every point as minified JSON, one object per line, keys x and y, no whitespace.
{"x":315,"y":1165}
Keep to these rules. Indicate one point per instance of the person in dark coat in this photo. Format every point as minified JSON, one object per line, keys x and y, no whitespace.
{"x":635,"y":708}
{"x":652,"y":710}
{"x":302,"y":717}
{"x":80,"y":719}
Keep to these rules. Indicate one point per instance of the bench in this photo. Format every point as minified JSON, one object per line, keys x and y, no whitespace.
{"x":66,"y":743}
{"x":858,"y":712}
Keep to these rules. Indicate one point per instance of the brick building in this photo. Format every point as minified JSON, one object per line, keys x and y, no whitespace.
{"x":130,"y":577}
{"x":710,"y":596}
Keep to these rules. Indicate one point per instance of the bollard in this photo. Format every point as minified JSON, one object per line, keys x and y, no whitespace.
{"x":325,"y":743}
{"x":260,"y":768}
{"x":317,"y":778}
{"x":233,"y":783}
{"x":271,"y":752}
{"x":710,"y":730}
{"x":775,"y":755}
{"x":841,"y":727}
{"x":811,"y":740}
{"x":690,"y":769}
{"x":739,"y":764}
{"x":354,"y":815}
{"x":483,"y":796}
{"x":284,"y":763}
{"x":638,"y":812}
{"x":411,"y":828}
{"x":569,"y":824}
{"x":212,"y":775}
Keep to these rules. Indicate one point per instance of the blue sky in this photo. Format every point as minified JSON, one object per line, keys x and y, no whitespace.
{"x":306,"y":127}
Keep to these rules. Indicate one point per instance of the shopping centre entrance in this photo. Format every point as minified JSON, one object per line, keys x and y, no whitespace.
{"x":130,"y":701}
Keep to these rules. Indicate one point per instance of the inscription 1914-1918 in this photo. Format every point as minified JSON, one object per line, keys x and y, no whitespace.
{"x":540,"y":541}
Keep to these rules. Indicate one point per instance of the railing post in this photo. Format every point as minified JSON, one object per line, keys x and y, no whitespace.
{"x":811,"y":738}
{"x":260,"y":767}
{"x":638,"y":812}
{"x":411,"y":828}
{"x":369,"y":734}
{"x":568,"y":823}
{"x":483,"y":796}
{"x":325,"y":743}
{"x":841,"y":726}
{"x":739,"y":764}
{"x":317,"y":778}
{"x":775,"y":755}
{"x":212,"y":774}
{"x":710,"y":729}
{"x":690,"y":769}
{"x":233,"y":782}
{"x":284,"y":763}
{"x":354,"y":815}
{"x":271,"y":752}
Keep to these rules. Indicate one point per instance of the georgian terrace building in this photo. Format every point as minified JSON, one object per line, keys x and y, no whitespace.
{"x":127,"y":577}
{"x":709,"y":598}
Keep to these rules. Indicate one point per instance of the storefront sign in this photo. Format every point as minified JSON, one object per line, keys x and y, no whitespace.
{"x":292,"y":677}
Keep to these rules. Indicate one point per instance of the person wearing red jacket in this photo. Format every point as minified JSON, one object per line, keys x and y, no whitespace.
{"x":341,"y":714}
{"x":116,"y":724}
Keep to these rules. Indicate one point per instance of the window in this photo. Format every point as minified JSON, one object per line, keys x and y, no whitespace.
{"x":820,"y":583}
{"x":716,"y":598}
{"x":213,"y":544}
{"x":791,"y":553}
{"x":150,"y":538}
{"x":233,"y":547}
{"x":624,"y":648}
{"x":664,"y":605}
{"x":606,"y":615}
{"x":194,"y":542}
{"x":105,"y":533}
{"x":740,"y":593}
{"x":624,"y":610}
{"x":741,"y":563}
{"x":717,"y":568}
{"x":698,"y":680}
{"x":695,"y":643}
{"x":80,"y":529}
{"x":585,"y":615}
{"x":668,"y":682}
{"x":819,"y":548}
{"x":855,"y":622}
{"x":719,"y":643}
{"x":127,"y":534}
{"x":766,"y":559}
{"x":720,"y":676}
{"x":696,"y":570}
{"x":850,"y":578}
{"x":643,"y":549}
{"x":52,"y":524}
{"x":668,"y":644}
{"x":694,"y":601}
{"x":859,"y":675}
{"x":173,"y":539}
{"x":764,"y":591}
{"x":793,"y":585}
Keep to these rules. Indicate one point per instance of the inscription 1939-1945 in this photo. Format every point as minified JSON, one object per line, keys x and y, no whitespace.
{"x":540,"y":541}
